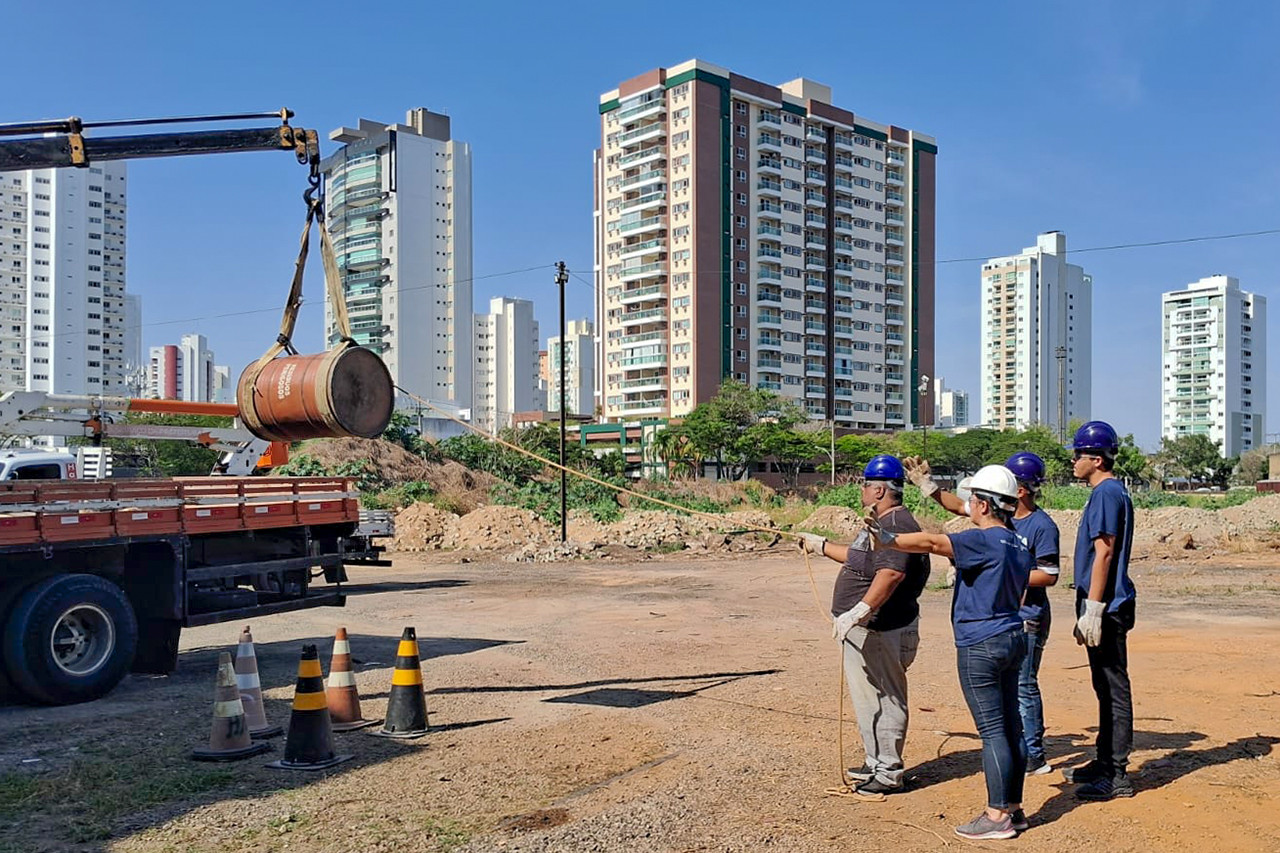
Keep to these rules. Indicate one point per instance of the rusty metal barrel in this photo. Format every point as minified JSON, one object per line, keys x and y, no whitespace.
{"x":346,"y":391}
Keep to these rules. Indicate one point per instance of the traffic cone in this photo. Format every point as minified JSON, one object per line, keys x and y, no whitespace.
{"x":407,"y":705}
{"x":255,"y":711}
{"x":309,"y":745}
{"x":341,"y":693}
{"x":229,"y":740}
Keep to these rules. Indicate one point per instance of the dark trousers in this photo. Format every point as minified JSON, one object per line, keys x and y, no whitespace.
{"x":1109,"y":666}
{"x":989,"y":673}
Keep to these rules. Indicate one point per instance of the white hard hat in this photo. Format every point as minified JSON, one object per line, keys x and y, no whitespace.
{"x":997,"y":481}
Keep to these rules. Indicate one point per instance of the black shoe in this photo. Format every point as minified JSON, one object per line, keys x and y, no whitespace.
{"x":1107,"y":788}
{"x":861,"y":775}
{"x":873,"y":787}
{"x":1038,"y":767}
{"x":1019,"y":820}
{"x":1085,"y":774}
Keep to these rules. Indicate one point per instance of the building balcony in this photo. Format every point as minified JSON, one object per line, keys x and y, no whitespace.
{"x":642,"y":271}
{"x":767,"y":186}
{"x":645,"y":383}
{"x":646,"y":247}
{"x":815,"y":390}
{"x":642,"y":338}
{"x":813,"y":284}
{"x":894,"y":258}
{"x":643,"y":294}
{"x":648,"y":405}
{"x":769,"y":363}
{"x":769,"y":296}
{"x":644,"y":226}
{"x":767,"y":274}
{"x":894,"y":158}
{"x":815,"y":177}
{"x":893,"y":318}
{"x":815,"y":263}
{"x":892,"y":197}
{"x":814,"y":240}
{"x":893,"y":178}
{"x":653,"y":199}
{"x":636,"y":362}
{"x":893,"y":377}
{"x":650,"y":107}
{"x":768,"y":342}
{"x":769,"y":142}
{"x":814,"y":154}
{"x":815,"y":369}
{"x":892,"y":239}
{"x":768,"y":230}
{"x":644,"y":156}
{"x":646,"y":177}
{"x":634,"y":318}
{"x":896,"y":277}
{"x":640,"y":134}
{"x":814,"y":327}
{"x":769,"y":253}
{"x":769,"y":165}
{"x":769,"y":318}
{"x":893,"y":299}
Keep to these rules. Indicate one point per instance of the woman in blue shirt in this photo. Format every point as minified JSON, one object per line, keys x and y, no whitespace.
{"x":993,"y":567}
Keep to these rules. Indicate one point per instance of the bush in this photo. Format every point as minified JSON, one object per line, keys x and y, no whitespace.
{"x":850,"y":495}
{"x":1064,"y":497}
{"x":1155,"y":499}
{"x":1235,"y":497}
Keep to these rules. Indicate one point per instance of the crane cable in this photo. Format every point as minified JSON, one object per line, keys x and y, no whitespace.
{"x":843,"y":789}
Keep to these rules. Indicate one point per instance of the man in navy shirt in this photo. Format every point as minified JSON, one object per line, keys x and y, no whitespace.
{"x":1036,"y":527}
{"x":1105,"y":598}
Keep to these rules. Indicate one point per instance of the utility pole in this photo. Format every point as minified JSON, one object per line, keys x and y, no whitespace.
{"x":1061,"y":355}
{"x":562,"y":279}
{"x":833,"y":453}
{"x":923,"y":388}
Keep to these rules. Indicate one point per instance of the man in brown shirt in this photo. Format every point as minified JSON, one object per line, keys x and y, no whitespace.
{"x":876,"y":614}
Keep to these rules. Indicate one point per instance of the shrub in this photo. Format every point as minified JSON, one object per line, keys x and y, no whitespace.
{"x":1155,"y":499}
{"x":1064,"y":497}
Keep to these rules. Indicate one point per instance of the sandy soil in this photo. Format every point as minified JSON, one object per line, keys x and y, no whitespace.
{"x":678,"y":704}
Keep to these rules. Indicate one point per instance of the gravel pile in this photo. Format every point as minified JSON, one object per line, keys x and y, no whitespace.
{"x":423,"y":527}
{"x":842,"y":521}
{"x":498,"y":528}
{"x":652,"y":529}
{"x":570,"y":550}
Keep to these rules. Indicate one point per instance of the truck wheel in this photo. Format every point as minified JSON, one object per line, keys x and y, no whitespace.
{"x":70,"y":638}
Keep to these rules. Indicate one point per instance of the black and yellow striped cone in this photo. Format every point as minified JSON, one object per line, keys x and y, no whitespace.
{"x":309,"y":745}
{"x":407,"y":705}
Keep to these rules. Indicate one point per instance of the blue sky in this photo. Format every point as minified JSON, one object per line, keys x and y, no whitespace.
{"x":1114,"y":122}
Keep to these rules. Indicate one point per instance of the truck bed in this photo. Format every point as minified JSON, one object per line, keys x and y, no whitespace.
{"x":37,"y":513}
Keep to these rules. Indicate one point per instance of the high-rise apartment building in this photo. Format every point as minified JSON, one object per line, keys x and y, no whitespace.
{"x":62,"y":280}
{"x":951,"y":408}
{"x":506,"y":363}
{"x":1036,"y":338}
{"x":186,"y":372}
{"x":399,"y":212}
{"x":757,"y":232}
{"x":1214,"y":364}
{"x":579,"y":365}
{"x":223,"y":391}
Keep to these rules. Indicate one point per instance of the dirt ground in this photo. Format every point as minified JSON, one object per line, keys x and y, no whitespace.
{"x":674,"y":704}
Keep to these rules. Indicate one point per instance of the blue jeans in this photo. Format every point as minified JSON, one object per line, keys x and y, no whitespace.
{"x":989,"y":673}
{"x":1030,"y":705}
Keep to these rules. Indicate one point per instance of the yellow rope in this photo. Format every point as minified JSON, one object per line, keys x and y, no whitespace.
{"x":843,"y":789}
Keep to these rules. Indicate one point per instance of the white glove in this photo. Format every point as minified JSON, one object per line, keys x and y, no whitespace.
{"x":918,"y":472}
{"x":1089,"y":625}
{"x":812,"y":543}
{"x":845,"y":622}
{"x":879,"y":536}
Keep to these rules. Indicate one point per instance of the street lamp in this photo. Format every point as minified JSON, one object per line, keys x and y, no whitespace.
{"x":923,"y":389}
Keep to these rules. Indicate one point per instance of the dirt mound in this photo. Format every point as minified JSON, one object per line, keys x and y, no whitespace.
{"x":423,"y":527}
{"x":391,"y":462}
{"x":583,"y":528}
{"x":389,"y":465}
{"x":647,"y":528}
{"x":840,"y":520}
{"x":498,"y":528}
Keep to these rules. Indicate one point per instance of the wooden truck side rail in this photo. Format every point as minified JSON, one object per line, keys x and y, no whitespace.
{"x":44,"y":512}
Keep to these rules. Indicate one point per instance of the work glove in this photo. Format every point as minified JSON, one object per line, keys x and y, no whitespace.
{"x":812,"y":543}
{"x":880,"y":537}
{"x":1088,"y":630}
{"x":845,"y":622}
{"x":918,"y":472}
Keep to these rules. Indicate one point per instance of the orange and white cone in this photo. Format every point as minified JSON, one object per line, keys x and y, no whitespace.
{"x":251,"y":689}
{"x":341,"y":692}
{"x":229,"y":740}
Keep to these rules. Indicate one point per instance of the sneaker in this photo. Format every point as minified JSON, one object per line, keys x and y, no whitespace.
{"x":1085,"y":774}
{"x":982,"y":828}
{"x":1019,"y":820}
{"x":862,"y":774}
{"x":1106,"y":788}
{"x":872,"y":787}
{"x":1038,"y":767}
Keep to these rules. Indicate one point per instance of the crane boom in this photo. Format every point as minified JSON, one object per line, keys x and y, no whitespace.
{"x":63,"y":143}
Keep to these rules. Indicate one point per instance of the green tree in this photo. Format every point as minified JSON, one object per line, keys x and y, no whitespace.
{"x":788,"y":447}
{"x":1132,"y":464}
{"x":167,"y":458}
{"x":1195,"y":457}
{"x":718,"y":428}
{"x":853,"y":452}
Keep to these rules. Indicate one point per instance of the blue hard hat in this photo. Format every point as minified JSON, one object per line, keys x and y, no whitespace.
{"x":884,"y":467}
{"x":1027,"y":467}
{"x":1097,"y":436}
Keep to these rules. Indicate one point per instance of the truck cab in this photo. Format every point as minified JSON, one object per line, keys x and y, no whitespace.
{"x":37,"y":465}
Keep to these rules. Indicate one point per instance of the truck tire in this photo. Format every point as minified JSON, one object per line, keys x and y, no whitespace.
{"x":69,"y":638}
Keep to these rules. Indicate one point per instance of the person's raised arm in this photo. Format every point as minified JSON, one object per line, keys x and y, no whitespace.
{"x":919,"y":473}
